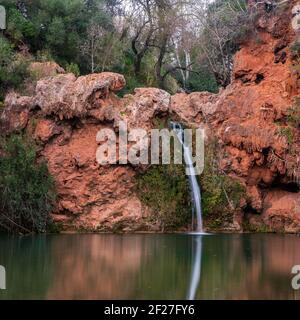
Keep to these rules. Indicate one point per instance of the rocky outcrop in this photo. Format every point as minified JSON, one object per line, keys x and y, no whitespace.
{"x":45,"y":69}
{"x":91,"y":196}
{"x":64,"y":116}
{"x":145,"y":105}
{"x":281,"y":212}
{"x":255,"y":122}
{"x":67,"y":96}
{"x":15,"y":115}
{"x":251,"y":119}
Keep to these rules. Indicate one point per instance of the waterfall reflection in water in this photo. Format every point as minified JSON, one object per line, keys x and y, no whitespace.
{"x":196,"y":267}
{"x":150,"y":266}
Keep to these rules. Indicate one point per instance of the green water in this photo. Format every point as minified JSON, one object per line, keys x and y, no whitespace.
{"x":149,"y":266}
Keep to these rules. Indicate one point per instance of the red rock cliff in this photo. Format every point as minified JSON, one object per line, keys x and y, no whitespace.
{"x":251,"y":120}
{"x":64,"y":116}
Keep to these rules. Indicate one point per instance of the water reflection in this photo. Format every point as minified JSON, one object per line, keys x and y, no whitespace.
{"x":196,"y":270}
{"x":149,"y":266}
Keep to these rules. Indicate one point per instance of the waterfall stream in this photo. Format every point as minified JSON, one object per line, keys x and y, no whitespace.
{"x":195,"y":188}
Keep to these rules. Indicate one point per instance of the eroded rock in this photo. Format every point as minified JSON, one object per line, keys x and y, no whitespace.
{"x":248,"y":119}
{"x":256,"y":142}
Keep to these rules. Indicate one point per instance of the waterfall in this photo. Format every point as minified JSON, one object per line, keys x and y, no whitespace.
{"x":195,"y":189}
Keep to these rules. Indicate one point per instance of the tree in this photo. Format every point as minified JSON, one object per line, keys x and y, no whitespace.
{"x":26,"y":189}
{"x":13,"y":69}
{"x":58,"y":26}
{"x":164,"y":43}
{"x":222,"y":23}
{"x":155,"y":28}
{"x":92,"y":45}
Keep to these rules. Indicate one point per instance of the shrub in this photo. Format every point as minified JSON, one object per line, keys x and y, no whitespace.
{"x":202,"y":81}
{"x":164,"y":188}
{"x":44,"y":56}
{"x":13,"y":68}
{"x":19,"y":27}
{"x":221,"y":194}
{"x":131,"y":84}
{"x":294,"y":113}
{"x":73,"y":68}
{"x":286,"y":132}
{"x":26,"y":188}
{"x":295,"y":49}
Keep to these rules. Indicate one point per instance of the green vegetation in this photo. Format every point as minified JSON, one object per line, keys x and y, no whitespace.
{"x":295,"y":49}
{"x":261,"y":228}
{"x":165,"y":190}
{"x":226,"y":24}
{"x":286,"y":132}
{"x":293,"y":122}
{"x":203,"y":80}
{"x":26,"y":188}
{"x":152,"y":43}
{"x":168,"y":44}
{"x":221,"y":194}
{"x":73,"y":68}
{"x":294,"y":114}
{"x":13,"y":67}
{"x":288,"y":129}
{"x":55,"y":27}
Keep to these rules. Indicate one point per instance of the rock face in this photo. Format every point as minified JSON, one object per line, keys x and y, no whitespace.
{"x":255,"y":121}
{"x":251,"y":119}
{"x":67,"y":96}
{"x":281,"y":212}
{"x":91,"y":196}
{"x":45,"y":69}
{"x":64,"y":117}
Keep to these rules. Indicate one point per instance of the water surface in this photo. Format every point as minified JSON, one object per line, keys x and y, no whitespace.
{"x":252,"y":266}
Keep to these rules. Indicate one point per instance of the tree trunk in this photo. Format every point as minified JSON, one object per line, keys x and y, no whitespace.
{"x":137,"y":65}
{"x":159,"y":65}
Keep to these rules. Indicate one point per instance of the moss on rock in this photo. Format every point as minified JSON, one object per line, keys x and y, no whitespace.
{"x":165,"y":190}
{"x":221,"y":194}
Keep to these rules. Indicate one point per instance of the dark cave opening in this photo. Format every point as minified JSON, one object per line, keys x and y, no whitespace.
{"x":259,"y":78}
{"x":280,"y":184}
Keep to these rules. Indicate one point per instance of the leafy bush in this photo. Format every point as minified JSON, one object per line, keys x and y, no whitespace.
{"x":294,"y":113}
{"x":295,"y":49}
{"x":13,"y":68}
{"x":203,"y":80}
{"x":73,"y":68}
{"x":165,"y":190}
{"x":286,"y":132}
{"x":26,"y":188}
{"x":145,"y":79}
{"x":18,"y":27}
{"x":221,"y":194}
{"x":44,"y":56}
